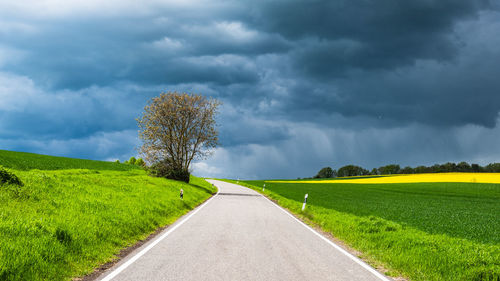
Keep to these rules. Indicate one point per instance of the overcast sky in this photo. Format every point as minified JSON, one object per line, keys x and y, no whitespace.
{"x":305,"y":84}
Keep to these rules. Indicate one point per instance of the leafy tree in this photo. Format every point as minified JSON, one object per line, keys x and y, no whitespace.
{"x":140,"y":162}
{"x":351,"y":171}
{"x":436,"y":168}
{"x":407,"y":170}
{"x":177,"y":128}
{"x":131,"y":161}
{"x":492,"y":168}
{"x":389,"y":169}
{"x":134,"y":161}
{"x":463,"y":167}
{"x":326,"y":172}
{"x":448,"y":167}
{"x":476,"y":168}
{"x":422,"y":169}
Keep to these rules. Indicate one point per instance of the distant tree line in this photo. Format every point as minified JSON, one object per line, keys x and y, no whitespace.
{"x":353,"y":170}
{"x":134,"y":161}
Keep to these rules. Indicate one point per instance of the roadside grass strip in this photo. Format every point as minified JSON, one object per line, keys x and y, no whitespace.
{"x":62,"y":224}
{"x":421,"y":231}
{"x":146,"y":249}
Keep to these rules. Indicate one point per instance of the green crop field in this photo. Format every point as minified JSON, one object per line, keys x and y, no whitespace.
{"x":423,"y":231}
{"x":28,"y":161}
{"x":62,"y":223}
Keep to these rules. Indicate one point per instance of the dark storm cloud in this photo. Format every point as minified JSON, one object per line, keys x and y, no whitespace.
{"x":66,"y":114}
{"x":310,"y":148}
{"x":154,"y":49}
{"x":397,"y":63}
{"x":453,"y":93}
{"x":368,"y":20}
{"x":103,"y":145}
{"x":358,"y":77}
{"x":338,"y":35}
{"x":241,"y":130}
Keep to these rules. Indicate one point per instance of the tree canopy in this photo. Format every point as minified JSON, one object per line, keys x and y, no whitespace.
{"x":177,"y":128}
{"x":326,"y":172}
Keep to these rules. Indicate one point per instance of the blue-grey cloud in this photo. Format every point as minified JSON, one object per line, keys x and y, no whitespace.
{"x":360,"y":77}
{"x":312,"y":147}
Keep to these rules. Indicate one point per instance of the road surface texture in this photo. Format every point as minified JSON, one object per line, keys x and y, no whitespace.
{"x":239,"y":235}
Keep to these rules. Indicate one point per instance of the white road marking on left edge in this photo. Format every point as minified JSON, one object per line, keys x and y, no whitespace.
{"x":117,"y":271}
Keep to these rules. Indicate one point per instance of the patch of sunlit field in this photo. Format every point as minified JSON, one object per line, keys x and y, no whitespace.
{"x":420,"y":230}
{"x":412,"y":178}
{"x":63,"y":223}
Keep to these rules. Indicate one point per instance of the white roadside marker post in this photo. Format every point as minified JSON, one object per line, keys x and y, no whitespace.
{"x":305,"y":201}
{"x":263,"y":187}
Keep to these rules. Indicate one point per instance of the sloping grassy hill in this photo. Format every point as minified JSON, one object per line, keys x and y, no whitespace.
{"x":63,"y":223}
{"x":424,"y":231}
{"x":28,"y":161}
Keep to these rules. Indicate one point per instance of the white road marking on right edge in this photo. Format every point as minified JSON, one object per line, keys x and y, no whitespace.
{"x":355,"y":259}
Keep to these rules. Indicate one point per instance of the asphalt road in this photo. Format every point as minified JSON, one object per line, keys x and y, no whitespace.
{"x":239,"y":235}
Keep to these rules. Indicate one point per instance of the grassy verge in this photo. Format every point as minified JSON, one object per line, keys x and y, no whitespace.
{"x":64,"y":223}
{"x":421,"y":231}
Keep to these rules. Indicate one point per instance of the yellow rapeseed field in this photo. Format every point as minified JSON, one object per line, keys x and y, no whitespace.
{"x":415,"y":178}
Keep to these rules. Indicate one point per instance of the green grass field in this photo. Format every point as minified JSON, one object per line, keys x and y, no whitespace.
{"x":436,"y":231}
{"x":63,"y":223}
{"x":28,"y":161}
